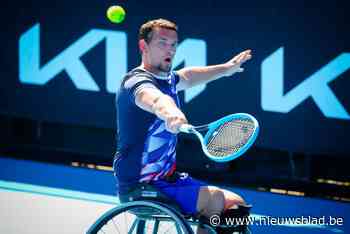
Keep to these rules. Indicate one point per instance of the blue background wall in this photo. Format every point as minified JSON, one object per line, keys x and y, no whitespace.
{"x":311,"y":35}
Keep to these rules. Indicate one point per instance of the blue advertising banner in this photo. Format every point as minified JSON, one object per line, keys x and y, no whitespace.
{"x":64,"y":62}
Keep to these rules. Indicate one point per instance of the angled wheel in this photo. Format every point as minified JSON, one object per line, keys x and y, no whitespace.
{"x":141,"y":217}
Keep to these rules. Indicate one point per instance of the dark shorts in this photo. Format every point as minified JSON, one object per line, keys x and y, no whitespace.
{"x":184,"y":190}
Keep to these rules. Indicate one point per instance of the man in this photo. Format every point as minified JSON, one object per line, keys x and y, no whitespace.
{"x":148,"y":118}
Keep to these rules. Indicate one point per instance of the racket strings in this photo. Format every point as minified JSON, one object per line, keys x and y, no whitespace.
{"x":230,"y":137}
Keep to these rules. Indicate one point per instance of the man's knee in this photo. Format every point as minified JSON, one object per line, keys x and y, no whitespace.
{"x":232,"y":200}
{"x":239,"y":220}
{"x":217,"y":202}
{"x":211,"y":201}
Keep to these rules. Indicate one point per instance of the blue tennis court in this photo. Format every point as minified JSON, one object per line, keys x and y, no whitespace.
{"x":69,"y":199}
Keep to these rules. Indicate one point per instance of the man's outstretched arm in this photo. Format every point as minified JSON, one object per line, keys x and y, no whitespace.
{"x":162,"y":105}
{"x":192,"y":76}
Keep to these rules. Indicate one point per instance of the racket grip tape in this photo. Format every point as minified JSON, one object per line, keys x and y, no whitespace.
{"x":186,"y":128}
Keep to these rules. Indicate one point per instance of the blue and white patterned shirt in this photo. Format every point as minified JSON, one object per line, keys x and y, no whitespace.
{"x":145,"y":149}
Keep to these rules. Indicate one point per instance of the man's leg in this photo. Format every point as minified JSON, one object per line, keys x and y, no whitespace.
{"x":213,"y":200}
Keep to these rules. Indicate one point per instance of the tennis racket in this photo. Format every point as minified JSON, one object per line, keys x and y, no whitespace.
{"x":227,"y":138}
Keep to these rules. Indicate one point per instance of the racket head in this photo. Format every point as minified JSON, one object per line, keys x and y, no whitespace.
{"x":230,"y":137}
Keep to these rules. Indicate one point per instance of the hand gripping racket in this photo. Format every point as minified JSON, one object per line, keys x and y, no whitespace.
{"x":227,"y":138}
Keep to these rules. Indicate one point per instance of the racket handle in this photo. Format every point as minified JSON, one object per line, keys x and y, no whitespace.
{"x":186,"y":128}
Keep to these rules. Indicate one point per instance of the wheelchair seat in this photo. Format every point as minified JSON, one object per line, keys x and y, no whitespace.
{"x":148,"y":192}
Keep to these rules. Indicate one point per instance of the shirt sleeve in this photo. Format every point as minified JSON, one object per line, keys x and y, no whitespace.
{"x":138,"y":82}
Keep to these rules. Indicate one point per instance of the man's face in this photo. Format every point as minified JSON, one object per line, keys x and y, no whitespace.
{"x":162,"y":49}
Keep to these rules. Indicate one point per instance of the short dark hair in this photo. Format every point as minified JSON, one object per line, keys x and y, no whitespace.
{"x":146,"y":30}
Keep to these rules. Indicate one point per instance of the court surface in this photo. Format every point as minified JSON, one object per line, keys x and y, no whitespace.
{"x":46,"y":198}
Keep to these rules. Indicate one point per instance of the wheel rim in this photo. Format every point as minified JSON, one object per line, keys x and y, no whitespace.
{"x":141,"y":218}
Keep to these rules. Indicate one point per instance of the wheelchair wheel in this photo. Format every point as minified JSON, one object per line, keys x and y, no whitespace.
{"x":141,"y":217}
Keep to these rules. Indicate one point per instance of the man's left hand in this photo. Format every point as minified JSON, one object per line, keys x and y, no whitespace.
{"x":234,"y":65}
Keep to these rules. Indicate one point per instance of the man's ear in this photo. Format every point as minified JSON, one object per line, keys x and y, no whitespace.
{"x":142,"y":45}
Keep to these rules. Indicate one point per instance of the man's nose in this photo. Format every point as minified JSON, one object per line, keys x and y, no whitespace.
{"x":171,"y":51}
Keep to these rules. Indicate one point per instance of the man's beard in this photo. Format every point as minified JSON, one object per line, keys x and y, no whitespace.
{"x":164,"y":68}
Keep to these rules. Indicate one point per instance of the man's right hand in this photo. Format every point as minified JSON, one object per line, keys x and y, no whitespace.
{"x":174,"y":120}
{"x":163,"y":106}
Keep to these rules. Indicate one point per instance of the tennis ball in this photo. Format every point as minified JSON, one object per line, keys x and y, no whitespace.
{"x":116,"y":14}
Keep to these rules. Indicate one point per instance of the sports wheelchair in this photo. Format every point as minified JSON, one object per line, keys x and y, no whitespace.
{"x":146,"y":210}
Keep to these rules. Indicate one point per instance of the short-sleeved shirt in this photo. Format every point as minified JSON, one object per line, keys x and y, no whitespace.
{"x":145,"y":149}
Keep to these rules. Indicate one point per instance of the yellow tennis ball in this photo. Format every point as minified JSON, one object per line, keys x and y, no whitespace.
{"x":116,"y":14}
